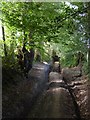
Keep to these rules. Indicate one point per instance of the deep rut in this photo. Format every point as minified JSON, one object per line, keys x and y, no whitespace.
{"x":77,"y":110}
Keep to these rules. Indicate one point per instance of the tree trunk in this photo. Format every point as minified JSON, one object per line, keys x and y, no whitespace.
{"x":3,"y":34}
{"x":88,"y":20}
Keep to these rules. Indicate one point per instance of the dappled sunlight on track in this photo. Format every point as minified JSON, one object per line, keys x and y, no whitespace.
{"x":53,"y":104}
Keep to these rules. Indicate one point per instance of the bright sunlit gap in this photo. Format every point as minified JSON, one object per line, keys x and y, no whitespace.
{"x":70,"y":5}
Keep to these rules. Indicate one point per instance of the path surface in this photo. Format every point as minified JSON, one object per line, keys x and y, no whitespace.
{"x":57,"y":98}
{"x":55,"y":102}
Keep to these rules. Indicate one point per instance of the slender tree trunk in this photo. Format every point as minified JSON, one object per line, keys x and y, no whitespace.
{"x":88,"y":20}
{"x":3,"y":34}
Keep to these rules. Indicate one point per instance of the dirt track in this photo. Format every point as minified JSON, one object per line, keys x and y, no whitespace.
{"x":59,"y":100}
{"x":55,"y":102}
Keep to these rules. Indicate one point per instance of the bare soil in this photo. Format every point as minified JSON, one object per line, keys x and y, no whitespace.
{"x":81,"y":91}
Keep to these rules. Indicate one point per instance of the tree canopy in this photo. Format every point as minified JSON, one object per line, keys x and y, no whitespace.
{"x":51,"y":26}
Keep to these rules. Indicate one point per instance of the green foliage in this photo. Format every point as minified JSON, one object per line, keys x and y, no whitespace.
{"x":58,"y":26}
{"x":69,"y":60}
{"x":1,"y":48}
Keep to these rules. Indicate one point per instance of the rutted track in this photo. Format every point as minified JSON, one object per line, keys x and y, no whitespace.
{"x":41,"y":98}
{"x":57,"y":101}
{"x":77,"y":110}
